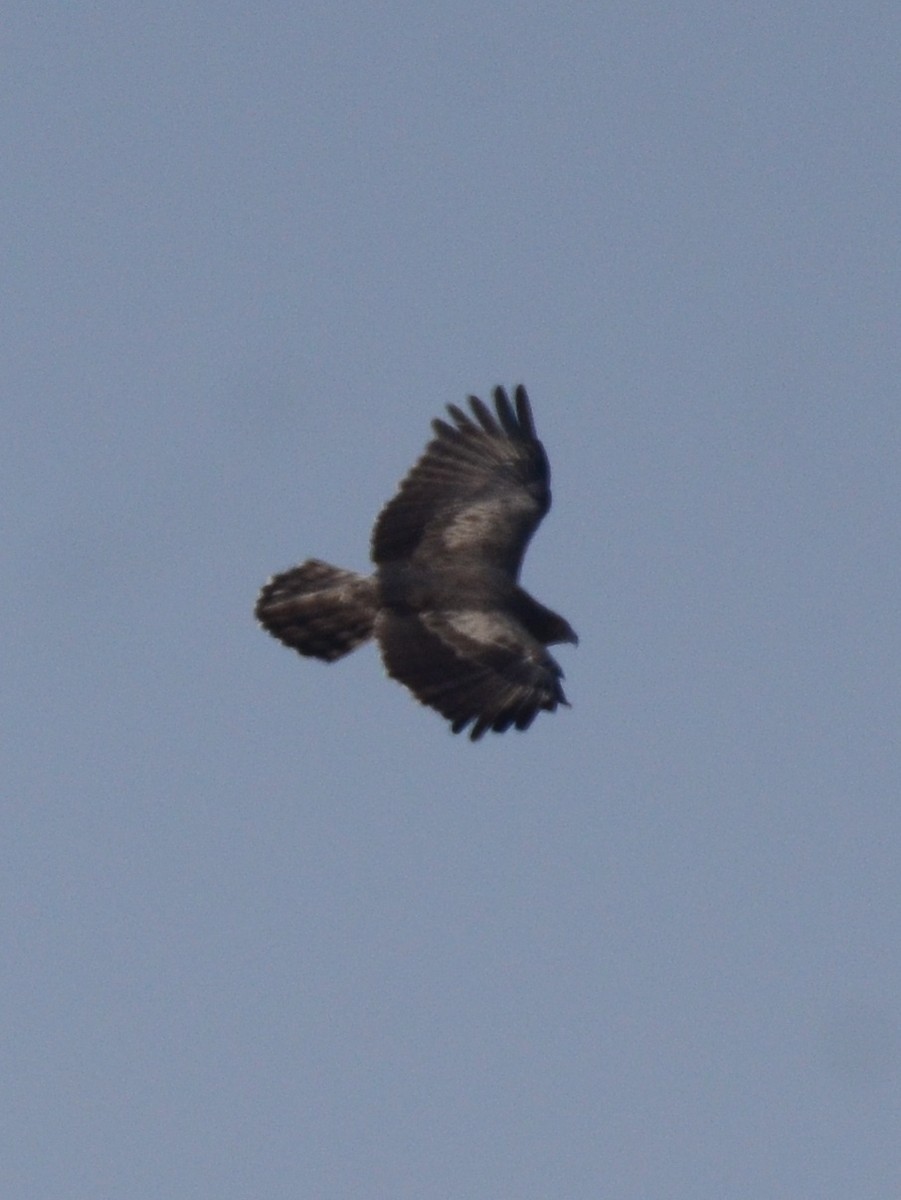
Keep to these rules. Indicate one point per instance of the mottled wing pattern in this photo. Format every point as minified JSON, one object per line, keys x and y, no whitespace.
{"x":476,"y":668}
{"x":477,"y":494}
{"x":319,"y":610}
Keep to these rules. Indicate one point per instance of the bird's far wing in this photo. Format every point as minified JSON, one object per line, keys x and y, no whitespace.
{"x":477,"y":493}
{"x":476,"y":668}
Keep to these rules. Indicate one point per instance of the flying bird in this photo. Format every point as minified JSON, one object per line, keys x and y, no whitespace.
{"x":452,"y":623}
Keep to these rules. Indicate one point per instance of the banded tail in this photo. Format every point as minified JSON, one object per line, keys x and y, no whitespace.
{"x":319,"y":610}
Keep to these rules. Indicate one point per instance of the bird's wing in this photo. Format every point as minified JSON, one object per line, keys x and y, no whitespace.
{"x":475,"y":667}
{"x":475,"y":496}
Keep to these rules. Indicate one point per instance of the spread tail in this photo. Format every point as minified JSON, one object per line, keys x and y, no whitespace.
{"x":319,"y":610}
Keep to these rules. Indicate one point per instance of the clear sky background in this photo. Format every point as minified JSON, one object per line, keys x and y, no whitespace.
{"x":269,"y":929}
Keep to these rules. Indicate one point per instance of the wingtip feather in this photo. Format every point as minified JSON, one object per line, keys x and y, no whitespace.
{"x":524,"y":411}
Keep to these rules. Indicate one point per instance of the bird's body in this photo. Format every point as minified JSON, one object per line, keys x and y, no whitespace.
{"x":444,"y":604}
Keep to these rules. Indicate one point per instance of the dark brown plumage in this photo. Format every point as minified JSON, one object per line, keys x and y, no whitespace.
{"x":451,"y":620}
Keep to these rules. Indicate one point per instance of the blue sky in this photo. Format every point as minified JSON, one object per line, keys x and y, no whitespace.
{"x":268,"y":928}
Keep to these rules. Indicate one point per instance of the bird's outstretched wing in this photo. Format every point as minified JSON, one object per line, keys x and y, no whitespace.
{"x":476,"y":495}
{"x":477,"y":668}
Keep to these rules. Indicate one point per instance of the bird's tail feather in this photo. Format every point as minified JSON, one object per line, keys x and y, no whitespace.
{"x":319,"y":610}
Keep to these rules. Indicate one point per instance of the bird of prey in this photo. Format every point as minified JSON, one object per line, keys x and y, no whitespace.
{"x":452,"y":623}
